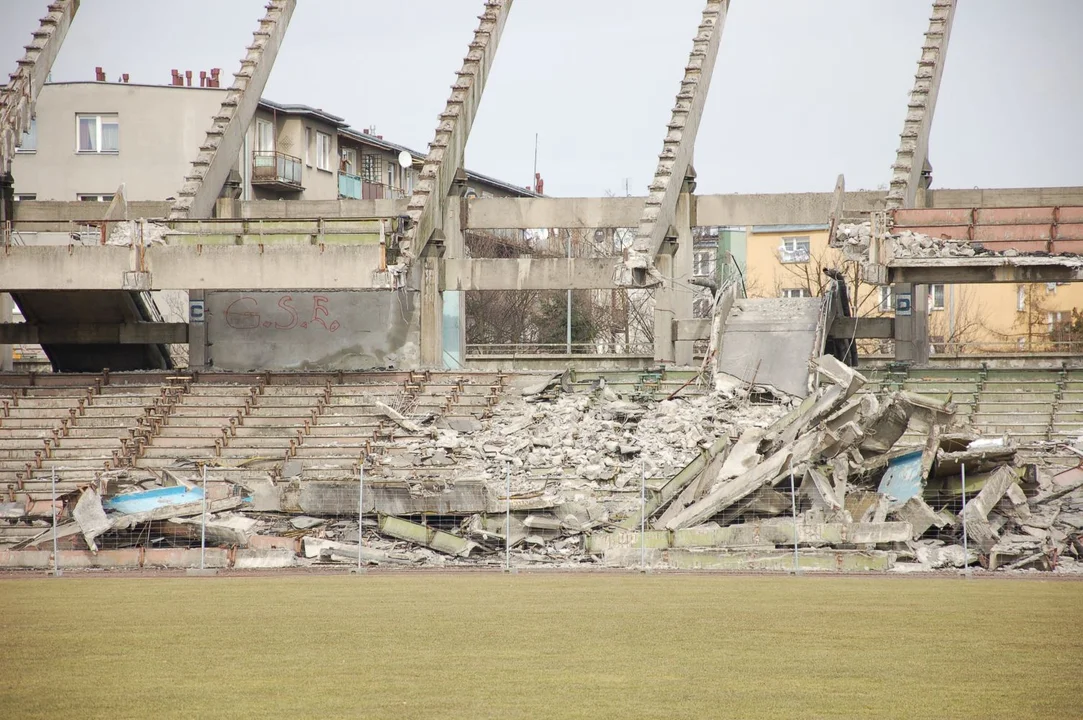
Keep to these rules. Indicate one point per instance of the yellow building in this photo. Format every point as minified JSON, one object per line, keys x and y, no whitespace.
{"x":788,"y":260}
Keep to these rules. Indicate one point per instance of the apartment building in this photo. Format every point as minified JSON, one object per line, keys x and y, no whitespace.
{"x":88,"y":138}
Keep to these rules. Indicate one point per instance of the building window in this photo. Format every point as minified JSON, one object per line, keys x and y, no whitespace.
{"x":97,"y":133}
{"x":21,"y":197}
{"x":323,"y":152}
{"x":794,"y":249}
{"x":1021,"y":300}
{"x":703,"y":263}
{"x":936,"y":297}
{"x":887,"y":302}
{"x":30,"y":139}
{"x":796,"y":293}
{"x":308,"y":146}
{"x":1053,"y":319}
{"x":265,"y":136}
{"x":372,"y":168}
{"x":349,"y":160}
{"x":95,"y":197}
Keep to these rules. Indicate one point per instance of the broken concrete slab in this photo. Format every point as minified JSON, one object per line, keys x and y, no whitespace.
{"x":975,"y":514}
{"x":398,"y":418}
{"x":920,"y":516}
{"x":775,"y":532}
{"x":733,"y":490}
{"x":432,"y":538}
{"x":677,"y":483}
{"x":253,"y":559}
{"x":91,"y":517}
{"x":764,"y":559}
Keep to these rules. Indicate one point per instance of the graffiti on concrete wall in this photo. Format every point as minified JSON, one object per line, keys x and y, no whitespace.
{"x":281,"y":312}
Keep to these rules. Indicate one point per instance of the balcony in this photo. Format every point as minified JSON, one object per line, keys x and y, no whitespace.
{"x":276,"y":170}
{"x":349,"y":186}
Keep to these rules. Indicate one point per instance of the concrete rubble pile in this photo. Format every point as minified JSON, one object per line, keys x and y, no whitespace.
{"x":854,"y":240}
{"x":707,"y":479}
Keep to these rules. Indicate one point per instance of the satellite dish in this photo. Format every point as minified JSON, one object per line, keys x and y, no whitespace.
{"x":405,"y":159}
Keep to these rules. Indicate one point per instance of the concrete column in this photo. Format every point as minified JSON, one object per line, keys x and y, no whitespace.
{"x":432,"y":312}
{"x":7,"y":361}
{"x":664,"y":350}
{"x":911,"y":323}
{"x":454,"y":321}
{"x":199,"y":350}
{"x":684,"y":294}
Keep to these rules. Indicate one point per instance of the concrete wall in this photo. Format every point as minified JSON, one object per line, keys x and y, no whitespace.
{"x":161,"y":129}
{"x":312,"y":331}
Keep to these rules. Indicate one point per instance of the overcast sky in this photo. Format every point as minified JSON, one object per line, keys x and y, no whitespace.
{"x":802,"y":90}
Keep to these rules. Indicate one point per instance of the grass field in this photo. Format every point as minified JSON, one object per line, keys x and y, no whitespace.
{"x":540,"y":646}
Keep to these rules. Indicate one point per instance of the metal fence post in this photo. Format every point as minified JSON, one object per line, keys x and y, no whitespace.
{"x":962,"y":513}
{"x":56,"y":552}
{"x":507,"y":530}
{"x":203,"y":525}
{"x":642,"y":514}
{"x":793,"y":506}
{"x":360,"y":511}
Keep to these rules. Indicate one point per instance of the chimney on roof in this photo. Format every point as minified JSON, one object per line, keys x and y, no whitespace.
{"x":203,"y":78}
{"x":379,"y":137}
{"x":124,"y":78}
{"x":99,"y":74}
{"x":177,"y":78}
{"x":366,"y":131}
{"x":188,"y":76}
{"x":215,"y":81}
{"x":539,"y":184}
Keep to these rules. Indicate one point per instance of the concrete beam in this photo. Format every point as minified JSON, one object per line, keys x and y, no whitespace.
{"x":869,"y":327}
{"x":914,"y":145}
{"x":219,"y":267}
{"x":219,"y":151}
{"x":143,"y":333}
{"x":529,"y":274}
{"x":528,"y":213}
{"x":675,"y":161}
{"x":929,"y":271}
{"x":426,"y":207}
{"x":696,"y":329}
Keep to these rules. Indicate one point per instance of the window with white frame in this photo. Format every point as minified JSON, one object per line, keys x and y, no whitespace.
{"x":323,"y":152}
{"x":794,"y":249}
{"x":796,"y":293}
{"x":29,"y":142}
{"x":936,"y":297}
{"x":265,"y":136}
{"x":20,"y":197}
{"x":95,"y":197}
{"x":887,"y":301}
{"x":1053,"y":319}
{"x":349,"y":160}
{"x":97,"y":134}
{"x":308,"y":146}
{"x":1021,"y":299}
{"x":703,"y":263}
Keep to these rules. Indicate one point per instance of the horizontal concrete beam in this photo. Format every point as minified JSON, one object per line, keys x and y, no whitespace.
{"x":529,"y":274}
{"x":217,"y":267}
{"x":737,"y":209}
{"x":882,"y":328}
{"x":697,"y":329}
{"x":141,"y":333}
{"x":930,"y":271}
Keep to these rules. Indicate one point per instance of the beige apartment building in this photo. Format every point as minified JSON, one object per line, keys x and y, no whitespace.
{"x":788,"y":261}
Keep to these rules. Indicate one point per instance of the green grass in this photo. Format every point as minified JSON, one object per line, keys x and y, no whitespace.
{"x":540,"y":646}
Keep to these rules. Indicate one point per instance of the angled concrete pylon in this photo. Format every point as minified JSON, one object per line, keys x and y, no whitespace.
{"x":18,"y":97}
{"x":909,"y":175}
{"x":676,"y":157}
{"x":428,"y":201}
{"x":913,"y":154}
{"x":219,"y":151}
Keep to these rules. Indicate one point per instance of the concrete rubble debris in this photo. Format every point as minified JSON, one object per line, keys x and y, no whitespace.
{"x":562,"y":472}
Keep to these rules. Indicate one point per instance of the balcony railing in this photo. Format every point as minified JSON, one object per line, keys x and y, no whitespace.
{"x":276,"y":169}
{"x":357,"y":188}
{"x":349,"y":186}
